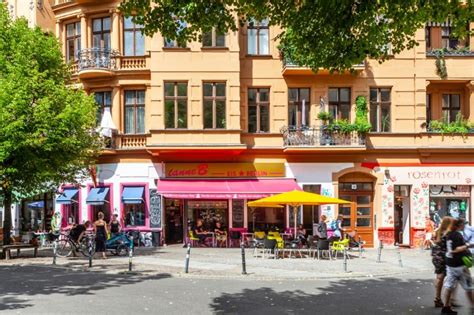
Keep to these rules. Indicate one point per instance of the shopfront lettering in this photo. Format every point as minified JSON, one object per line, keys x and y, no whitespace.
{"x":200,"y":170}
{"x":224,"y":170}
{"x":434,"y":175}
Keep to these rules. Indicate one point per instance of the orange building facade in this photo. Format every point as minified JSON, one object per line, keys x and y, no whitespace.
{"x":202,"y":129}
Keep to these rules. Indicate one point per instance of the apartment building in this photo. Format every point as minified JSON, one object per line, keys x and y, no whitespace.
{"x":200,"y":130}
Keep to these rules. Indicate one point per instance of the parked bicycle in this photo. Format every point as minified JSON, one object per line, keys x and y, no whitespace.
{"x":66,"y":245}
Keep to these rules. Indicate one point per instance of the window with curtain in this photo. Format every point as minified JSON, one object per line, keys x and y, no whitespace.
{"x":176,"y":105}
{"x":340,"y":103}
{"x":213,"y":39}
{"x":258,"y":37}
{"x":135,"y":112}
{"x":298,"y":107}
{"x":258,"y":110}
{"x":447,"y":40}
{"x":101,"y":33}
{"x":133,"y":39}
{"x":73,"y":41}
{"x":380,"y":103}
{"x":451,"y":106}
{"x":103,"y":100}
{"x":214,"y":105}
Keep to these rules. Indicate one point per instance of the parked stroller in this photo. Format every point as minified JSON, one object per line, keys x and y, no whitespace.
{"x":119,"y":244}
{"x":353,"y":243}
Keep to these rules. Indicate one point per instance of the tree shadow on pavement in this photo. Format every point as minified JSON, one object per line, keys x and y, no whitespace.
{"x":350,"y":296}
{"x":24,"y":281}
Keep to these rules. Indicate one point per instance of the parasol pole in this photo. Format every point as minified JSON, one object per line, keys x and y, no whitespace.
{"x":295,"y":218}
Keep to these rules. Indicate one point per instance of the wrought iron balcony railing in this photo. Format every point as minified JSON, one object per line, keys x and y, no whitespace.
{"x":97,"y":58}
{"x":450,"y":53}
{"x":320,"y":136}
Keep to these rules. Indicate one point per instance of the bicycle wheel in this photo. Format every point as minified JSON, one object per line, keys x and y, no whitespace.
{"x":84,"y":247}
{"x":64,"y":248}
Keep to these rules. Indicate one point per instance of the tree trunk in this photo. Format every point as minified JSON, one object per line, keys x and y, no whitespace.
{"x":7,"y":222}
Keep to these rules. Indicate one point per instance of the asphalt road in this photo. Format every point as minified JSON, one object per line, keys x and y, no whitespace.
{"x":46,"y":290}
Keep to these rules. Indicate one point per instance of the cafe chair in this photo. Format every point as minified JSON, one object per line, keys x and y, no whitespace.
{"x":192,"y":239}
{"x":340,"y":247}
{"x":235,"y":238}
{"x":323,"y":247}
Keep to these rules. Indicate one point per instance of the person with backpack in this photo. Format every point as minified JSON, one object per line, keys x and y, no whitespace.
{"x":458,"y":262}
{"x":336,"y":227}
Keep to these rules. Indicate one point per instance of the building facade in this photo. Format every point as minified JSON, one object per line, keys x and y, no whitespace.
{"x":202,"y":129}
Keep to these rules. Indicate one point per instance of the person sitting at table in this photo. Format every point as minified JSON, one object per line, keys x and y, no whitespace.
{"x":301,"y":234}
{"x":221,"y":234}
{"x":200,"y":232}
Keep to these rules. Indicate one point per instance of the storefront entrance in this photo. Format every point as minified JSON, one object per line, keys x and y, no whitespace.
{"x":401,"y":214}
{"x":358,"y":216}
{"x":174,"y":218}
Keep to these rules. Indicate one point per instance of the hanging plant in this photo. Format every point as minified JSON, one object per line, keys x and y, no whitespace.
{"x":440,"y":63}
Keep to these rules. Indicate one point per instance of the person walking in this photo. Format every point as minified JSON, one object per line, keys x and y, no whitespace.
{"x":456,"y":268}
{"x":438,"y":253}
{"x":114,"y":226}
{"x":100,"y":229}
{"x":323,"y":228}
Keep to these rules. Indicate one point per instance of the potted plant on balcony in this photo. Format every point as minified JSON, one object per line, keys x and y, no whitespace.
{"x":325,"y":117}
{"x":362,"y":125}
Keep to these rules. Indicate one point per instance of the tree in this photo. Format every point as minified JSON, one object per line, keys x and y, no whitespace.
{"x":319,"y":34}
{"x":47,"y":132}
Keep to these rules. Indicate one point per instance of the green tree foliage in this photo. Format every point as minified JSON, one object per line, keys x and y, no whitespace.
{"x":46,"y":128}
{"x":333,"y":35}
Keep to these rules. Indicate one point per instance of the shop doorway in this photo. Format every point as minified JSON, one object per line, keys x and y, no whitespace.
{"x":174,"y":218}
{"x":358,"y":216}
{"x":401,"y":215}
{"x":311,"y":214}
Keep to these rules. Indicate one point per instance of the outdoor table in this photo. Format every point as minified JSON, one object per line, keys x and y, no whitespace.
{"x":286,"y":235}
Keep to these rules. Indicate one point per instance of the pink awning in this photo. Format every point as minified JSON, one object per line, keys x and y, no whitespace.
{"x":224,"y":189}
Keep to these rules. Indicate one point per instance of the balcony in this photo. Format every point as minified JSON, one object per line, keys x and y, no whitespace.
{"x":320,"y":137}
{"x":464,"y":52}
{"x":130,"y":142}
{"x":292,"y":68}
{"x":96,"y":62}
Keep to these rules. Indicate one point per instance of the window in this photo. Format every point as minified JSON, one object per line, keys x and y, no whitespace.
{"x":428,"y":37}
{"x":133,"y":39}
{"x":214,"y":105}
{"x":134,"y":208}
{"x":258,"y":38}
{"x":298,"y":107}
{"x":73,"y":41}
{"x":428,"y":108}
{"x":258,"y":106}
{"x":134,"y":112}
{"x":176,"y":105}
{"x":172,"y":43}
{"x":213,"y":39}
{"x":101,"y":33}
{"x":451,"y":106}
{"x":447,"y":41}
{"x":103,"y":100}
{"x":340,"y":103}
{"x":380,"y":109}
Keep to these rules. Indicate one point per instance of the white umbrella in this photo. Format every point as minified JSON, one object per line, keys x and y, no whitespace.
{"x":107,"y":124}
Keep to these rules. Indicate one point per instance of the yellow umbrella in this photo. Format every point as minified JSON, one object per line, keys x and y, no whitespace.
{"x":295,"y":199}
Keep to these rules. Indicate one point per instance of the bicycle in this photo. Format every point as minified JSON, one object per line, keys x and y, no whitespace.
{"x":66,"y":246}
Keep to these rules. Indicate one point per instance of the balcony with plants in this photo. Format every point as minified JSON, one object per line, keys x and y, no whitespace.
{"x":332,"y":132}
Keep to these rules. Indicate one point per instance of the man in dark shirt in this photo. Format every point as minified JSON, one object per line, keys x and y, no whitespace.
{"x":456,"y":270}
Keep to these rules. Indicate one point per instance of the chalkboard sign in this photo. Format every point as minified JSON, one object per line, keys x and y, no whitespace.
{"x":155,"y":209}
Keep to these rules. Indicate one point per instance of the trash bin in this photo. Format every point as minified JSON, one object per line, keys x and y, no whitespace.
{"x":156,"y":238}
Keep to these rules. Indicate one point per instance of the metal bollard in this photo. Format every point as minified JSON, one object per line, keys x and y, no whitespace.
{"x":242,"y":251}
{"x":89,"y":249}
{"x":360,"y":247}
{"x":345,"y":260}
{"x":55,"y":250}
{"x":188,"y":253}
{"x":379,"y":252}
{"x":400,"y":263}
{"x":130,"y":255}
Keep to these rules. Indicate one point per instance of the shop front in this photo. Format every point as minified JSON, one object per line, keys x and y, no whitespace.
{"x":410,"y":194}
{"x":219,"y":192}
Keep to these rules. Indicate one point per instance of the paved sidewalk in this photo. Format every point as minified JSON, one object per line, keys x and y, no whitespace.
{"x":227,"y":263}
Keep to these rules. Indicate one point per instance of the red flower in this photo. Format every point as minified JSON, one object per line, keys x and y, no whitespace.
{"x":390,"y":204}
{"x":421,"y":200}
{"x":424,"y":185}
{"x":468,"y":180}
{"x":384,"y":196}
{"x":417,"y":223}
{"x":390,"y":222}
{"x":393,"y":178}
{"x":390,"y":188}
{"x":416,"y":191}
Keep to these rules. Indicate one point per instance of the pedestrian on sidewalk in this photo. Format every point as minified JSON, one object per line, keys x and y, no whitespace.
{"x":438,"y":253}
{"x":100,"y":229}
{"x":456,"y":268}
{"x":115,"y":226}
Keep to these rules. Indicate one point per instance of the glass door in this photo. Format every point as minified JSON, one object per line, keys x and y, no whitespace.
{"x":358,"y":216}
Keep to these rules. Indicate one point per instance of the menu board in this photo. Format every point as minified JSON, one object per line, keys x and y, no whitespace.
{"x":155,"y":209}
{"x":238,"y":213}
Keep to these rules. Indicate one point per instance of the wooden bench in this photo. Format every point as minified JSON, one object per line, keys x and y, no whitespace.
{"x":7,"y":248}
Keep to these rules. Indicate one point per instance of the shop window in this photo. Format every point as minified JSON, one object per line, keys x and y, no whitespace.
{"x":101,"y":33}
{"x":133,"y":38}
{"x":238,"y":208}
{"x":299,"y":106}
{"x":258,"y":37}
{"x":135,"y":112}
{"x":134,"y":215}
{"x":451,"y":106}
{"x":380,"y":103}
{"x":176,"y":105}
{"x":340,"y":103}
{"x":73,"y":41}
{"x":258,"y":110}
{"x":265,"y":219}
{"x":214,"y":105}
{"x":449,"y":200}
{"x":213,"y":39}
{"x":210,"y":211}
